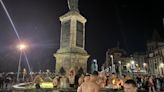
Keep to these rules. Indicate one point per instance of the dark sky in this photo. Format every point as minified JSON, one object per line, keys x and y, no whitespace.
{"x":131,"y":22}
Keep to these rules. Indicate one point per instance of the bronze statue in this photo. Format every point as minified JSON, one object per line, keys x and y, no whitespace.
{"x":73,"y":5}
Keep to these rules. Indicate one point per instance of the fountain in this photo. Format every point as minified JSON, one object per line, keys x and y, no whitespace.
{"x":43,"y":83}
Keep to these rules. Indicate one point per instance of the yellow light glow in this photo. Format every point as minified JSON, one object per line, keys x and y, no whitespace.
{"x":114,"y":81}
{"x":46,"y":85}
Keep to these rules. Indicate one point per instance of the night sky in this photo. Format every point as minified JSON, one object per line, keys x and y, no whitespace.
{"x":131,"y":22}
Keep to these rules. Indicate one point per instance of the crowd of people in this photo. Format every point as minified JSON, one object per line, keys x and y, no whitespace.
{"x":96,"y":81}
{"x":6,"y":81}
{"x":102,"y":80}
{"x":93,"y":82}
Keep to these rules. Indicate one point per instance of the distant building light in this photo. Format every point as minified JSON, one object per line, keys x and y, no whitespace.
{"x":119,"y":62}
{"x":128,"y":65}
{"x":161,"y":65}
{"x":144,"y":64}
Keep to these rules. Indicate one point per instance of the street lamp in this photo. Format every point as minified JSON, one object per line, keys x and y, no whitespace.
{"x":128,"y":66}
{"x":161,"y":67}
{"x":144,"y":64}
{"x":112,"y":59}
{"x":120,"y":68}
{"x":132,"y":66}
{"x":113,"y":66}
{"x":132,"y":62}
{"x":145,"y":67}
{"x":21,"y":47}
{"x":24,"y":73}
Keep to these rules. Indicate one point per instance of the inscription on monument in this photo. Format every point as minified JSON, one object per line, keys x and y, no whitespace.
{"x":79,"y":35}
{"x":65,"y":34}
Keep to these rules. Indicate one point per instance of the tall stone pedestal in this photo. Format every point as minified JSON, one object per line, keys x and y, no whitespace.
{"x":72,"y":54}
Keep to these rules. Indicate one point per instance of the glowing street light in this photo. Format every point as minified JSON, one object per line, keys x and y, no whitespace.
{"x":21,"y":47}
{"x":132,"y":62}
{"x":144,"y":64}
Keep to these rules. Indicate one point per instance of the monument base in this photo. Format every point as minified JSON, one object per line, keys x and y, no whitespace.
{"x":71,"y":58}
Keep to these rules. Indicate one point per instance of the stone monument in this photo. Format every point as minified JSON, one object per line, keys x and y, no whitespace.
{"x":72,"y":53}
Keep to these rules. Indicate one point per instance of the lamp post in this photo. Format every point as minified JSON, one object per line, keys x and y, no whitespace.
{"x":21,"y":47}
{"x":132,"y":66}
{"x":161,"y":67}
{"x":128,"y":67}
{"x":144,"y":66}
{"x":113,"y":66}
{"x":24,"y":74}
{"x":120,"y":68}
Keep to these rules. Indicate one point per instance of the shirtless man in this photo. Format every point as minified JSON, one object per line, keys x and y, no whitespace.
{"x":86,"y":78}
{"x":82,"y":80}
{"x":91,"y":85}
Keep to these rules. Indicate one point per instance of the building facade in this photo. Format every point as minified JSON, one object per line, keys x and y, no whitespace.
{"x":155,"y":57}
{"x":119,"y":59}
{"x":155,"y":54}
{"x":127,"y":63}
{"x":140,"y":59}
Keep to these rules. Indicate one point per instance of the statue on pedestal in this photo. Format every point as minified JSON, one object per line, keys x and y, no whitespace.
{"x":94,"y":66}
{"x":73,"y":5}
